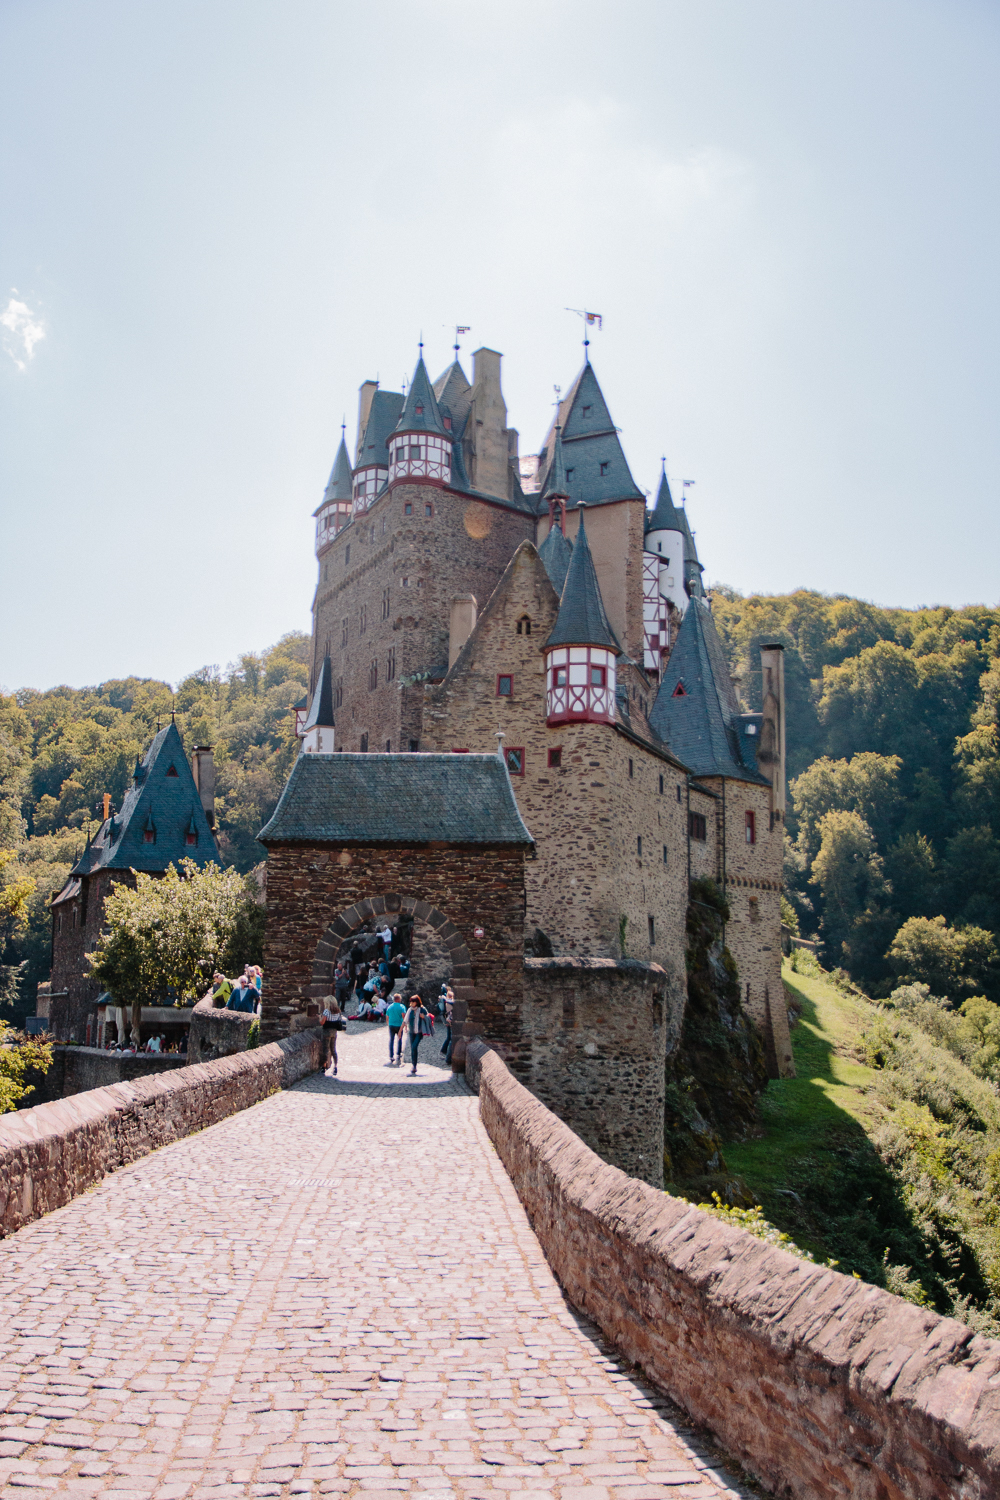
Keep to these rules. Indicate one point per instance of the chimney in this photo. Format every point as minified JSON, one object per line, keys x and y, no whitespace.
{"x":461,"y":625}
{"x":203,"y":767}
{"x":107,"y":806}
{"x":488,"y":429}
{"x":366,"y":395}
{"x":771,"y":753}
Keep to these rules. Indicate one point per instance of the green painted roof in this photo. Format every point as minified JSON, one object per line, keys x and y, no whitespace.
{"x":581,"y":620}
{"x":321,"y":709}
{"x":597,"y":472}
{"x":555,"y":553}
{"x":420,"y":413}
{"x":383,"y":415}
{"x":397,"y":799}
{"x":696,"y":713}
{"x":164,"y":799}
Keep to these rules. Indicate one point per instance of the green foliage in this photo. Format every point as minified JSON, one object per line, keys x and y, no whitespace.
{"x":163,"y":940}
{"x":754,"y":1222}
{"x":19,"y":1055}
{"x":952,"y":962}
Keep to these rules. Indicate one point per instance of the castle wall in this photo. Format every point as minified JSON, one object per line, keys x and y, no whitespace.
{"x":76,"y":927}
{"x":391,"y":577}
{"x":616,"y":537}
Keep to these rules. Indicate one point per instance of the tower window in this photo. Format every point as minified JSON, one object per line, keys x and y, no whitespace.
{"x":373,"y":677}
{"x":524,"y":625}
{"x":428,"y":508}
{"x":171,"y":769}
{"x":587,"y":410}
{"x":385,"y":604}
{"x":559,"y":676}
{"x":638,"y":846}
{"x":555,"y":758}
{"x":408,"y":508}
{"x":338,"y":693}
{"x":390,"y":664}
{"x":190,"y":838}
{"x":652,"y":930}
{"x":751,"y":826}
{"x":414,"y":746}
{"x":149,"y":836}
{"x":388,"y":747}
{"x":326,"y":572}
{"x":598,"y":676}
{"x":344,"y":627}
{"x":698,"y":827}
{"x":364,"y":744}
{"x":404,"y":583}
{"x":754,"y":909}
{"x":631,"y":768}
{"x":505,"y":686}
{"x":569,"y":475}
{"x":362,"y":619}
{"x":419,"y":411}
{"x":678,"y":792}
{"x":515,"y":760}
{"x":604,"y":470}
{"x":347,"y":554}
{"x":661,"y":786}
{"x":679,"y":691}
{"x":414,"y":450}
{"x":447,"y":423}
{"x":665,"y":860}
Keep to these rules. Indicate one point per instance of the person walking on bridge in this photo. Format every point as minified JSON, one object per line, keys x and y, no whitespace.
{"x":418,"y":1025}
{"x":394,"y":1016}
{"x":333,"y":1021}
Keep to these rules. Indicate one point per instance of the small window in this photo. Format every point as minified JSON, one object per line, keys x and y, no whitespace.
{"x":587,"y":410}
{"x":661,"y":786}
{"x":419,"y":410}
{"x":428,"y":509}
{"x":338,"y":693}
{"x":652,"y":931}
{"x":408,"y":508}
{"x":751,"y":826}
{"x":665,"y":860}
{"x":638,"y":846}
{"x":414,"y":450}
{"x":569,"y":475}
{"x":372,"y":536}
{"x":555,"y":758}
{"x":754,"y":909}
{"x":344,"y":627}
{"x":385,"y":525}
{"x":388,"y":747}
{"x":559,"y":676}
{"x":678,"y":791}
{"x":347,"y":554}
{"x":149,"y":836}
{"x":404,"y":583}
{"x":373,"y":677}
{"x":172,"y":769}
{"x":326,"y":571}
{"x":414,"y":746}
{"x":598,"y":676}
{"x":515,"y":760}
{"x":604,"y":470}
{"x":524,"y":625}
{"x":505,"y":686}
{"x":190,"y":838}
{"x":679,"y":691}
{"x":698,"y":827}
{"x":447,"y":423}
{"x":459,"y":752}
{"x":364,"y":744}
{"x":631,"y":769}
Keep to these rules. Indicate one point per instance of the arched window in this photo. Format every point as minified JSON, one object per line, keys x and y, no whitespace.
{"x":524,"y":625}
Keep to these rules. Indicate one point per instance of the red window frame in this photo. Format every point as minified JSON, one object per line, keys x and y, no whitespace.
{"x":598,"y":676}
{"x":507,"y":677}
{"x":459,"y":752}
{"x":517,"y":769}
{"x":751,"y":827}
{"x":560,"y":676}
{"x":555,"y":757}
{"x":428,"y":509}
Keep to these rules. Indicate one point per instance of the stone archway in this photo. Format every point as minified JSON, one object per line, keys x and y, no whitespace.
{"x":354,"y":917}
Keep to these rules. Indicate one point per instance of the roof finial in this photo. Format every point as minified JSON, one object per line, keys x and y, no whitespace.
{"x":500,"y":736}
{"x":588,"y":319}
{"x":685,"y":486}
{"x":460,"y":328}
{"x":421,"y":344}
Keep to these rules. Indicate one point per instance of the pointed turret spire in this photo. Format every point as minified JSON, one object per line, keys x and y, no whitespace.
{"x":555,"y":553}
{"x":318,"y":728}
{"x":581,"y":620}
{"x":665,"y":516}
{"x":339,"y":484}
{"x":556,"y":484}
{"x":420,"y":413}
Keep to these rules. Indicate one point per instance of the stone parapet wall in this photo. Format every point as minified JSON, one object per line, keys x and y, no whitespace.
{"x":54,"y":1152}
{"x":594,"y":1038}
{"x":217,"y":1032}
{"x":822,"y":1385}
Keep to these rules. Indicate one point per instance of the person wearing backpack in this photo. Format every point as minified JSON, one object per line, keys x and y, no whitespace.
{"x":418,"y":1025}
{"x":333,"y":1021}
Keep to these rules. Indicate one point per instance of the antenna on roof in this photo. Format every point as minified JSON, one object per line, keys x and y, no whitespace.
{"x":588,"y":319}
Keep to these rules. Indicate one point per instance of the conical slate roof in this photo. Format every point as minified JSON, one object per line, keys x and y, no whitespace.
{"x":555,"y":480}
{"x":581,"y":620}
{"x":420,"y":414}
{"x":452,"y":391}
{"x":164,"y":800}
{"x":341,"y":476}
{"x":696,"y":713}
{"x":382,"y":418}
{"x":555,"y":553}
{"x":320,"y":713}
{"x":597,"y":472}
{"x":665,"y":516}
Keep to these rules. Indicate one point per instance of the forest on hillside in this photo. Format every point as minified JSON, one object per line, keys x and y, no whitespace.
{"x":893,"y":855}
{"x":62,"y":749}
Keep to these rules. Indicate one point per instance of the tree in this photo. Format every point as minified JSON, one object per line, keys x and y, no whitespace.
{"x":163,"y":940}
{"x":18,"y":1055}
{"x":869,"y":703}
{"x":956,"y":962}
{"x":911,"y":866}
{"x":848,"y":871}
{"x":867,"y":784}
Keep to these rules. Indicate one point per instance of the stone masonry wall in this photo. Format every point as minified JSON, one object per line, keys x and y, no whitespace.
{"x":52,"y":1153}
{"x":594,"y":1038}
{"x":615,"y":533}
{"x":825,"y":1387}
{"x":77,"y":927}
{"x":317,"y":895}
{"x":392,"y":577}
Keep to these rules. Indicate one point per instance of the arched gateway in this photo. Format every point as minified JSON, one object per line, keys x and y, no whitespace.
{"x":434,"y":837}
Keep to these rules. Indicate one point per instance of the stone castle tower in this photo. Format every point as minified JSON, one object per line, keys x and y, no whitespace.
{"x":466,"y":593}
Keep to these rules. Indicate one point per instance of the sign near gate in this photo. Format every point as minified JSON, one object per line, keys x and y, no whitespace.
{"x":479,"y":932}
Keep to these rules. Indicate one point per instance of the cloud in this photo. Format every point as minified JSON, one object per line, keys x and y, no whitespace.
{"x":22,"y":330}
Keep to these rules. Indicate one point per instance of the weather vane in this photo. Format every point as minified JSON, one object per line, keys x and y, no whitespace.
{"x":589,"y":318}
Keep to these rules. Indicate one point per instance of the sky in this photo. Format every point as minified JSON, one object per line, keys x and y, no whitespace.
{"x":218,"y":217}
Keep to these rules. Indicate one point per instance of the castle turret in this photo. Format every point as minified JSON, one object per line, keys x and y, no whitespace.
{"x":666,"y":536}
{"x":378,"y":413}
{"x":580,"y":653}
{"x":556,"y":491}
{"x":317,"y":738}
{"x":420,"y":447}
{"x":334,"y":511}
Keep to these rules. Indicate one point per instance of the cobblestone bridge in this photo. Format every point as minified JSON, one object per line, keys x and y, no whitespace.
{"x":335,"y":1292}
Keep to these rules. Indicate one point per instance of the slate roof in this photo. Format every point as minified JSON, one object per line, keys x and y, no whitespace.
{"x":421,"y":394}
{"x":164,"y":798}
{"x":340,"y":484}
{"x":590,"y":440}
{"x":397,"y":799}
{"x":701,"y":723}
{"x":555,"y":553}
{"x":555,"y":479}
{"x":383,"y":415}
{"x":665,"y":516}
{"x":581,"y":620}
{"x":453,"y":393}
{"x":321,"y":708}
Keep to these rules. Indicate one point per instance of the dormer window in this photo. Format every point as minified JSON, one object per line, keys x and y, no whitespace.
{"x":419,"y":410}
{"x":587,"y":410}
{"x":149,"y":830}
{"x":679,"y":691}
{"x":605,"y":468}
{"x":447,"y":424}
{"x":172,"y":769}
{"x":569,"y":475}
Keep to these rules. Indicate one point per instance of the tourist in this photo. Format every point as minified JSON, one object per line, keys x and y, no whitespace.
{"x":394,"y":1014}
{"x":222,"y":989}
{"x":365,"y":1011}
{"x":333,"y":1021}
{"x":449,"y":1002}
{"x":381,"y":1005}
{"x":418,"y":1025}
{"x":244,"y":996}
{"x":342,"y":987}
{"x":356,"y":960}
{"x":386,"y":936}
{"x":257,"y":975}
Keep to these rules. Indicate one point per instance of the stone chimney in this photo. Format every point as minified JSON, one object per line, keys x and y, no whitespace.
{"x":771,"y":753}
{"x":487,"y":429}
{"x":461,"y":625}
{"x":366,"y":395}
{"x":203,"y":769}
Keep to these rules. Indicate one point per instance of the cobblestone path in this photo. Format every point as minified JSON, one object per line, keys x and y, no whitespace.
{"x":335,"y":1292}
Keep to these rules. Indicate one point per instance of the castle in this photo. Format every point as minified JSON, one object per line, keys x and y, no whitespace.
{"x":469,"y":598}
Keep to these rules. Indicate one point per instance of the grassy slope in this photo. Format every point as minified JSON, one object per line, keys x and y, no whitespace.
{"x":880,"y":1168}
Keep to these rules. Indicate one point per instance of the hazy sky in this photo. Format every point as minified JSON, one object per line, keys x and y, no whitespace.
{"x":218,"y":217}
